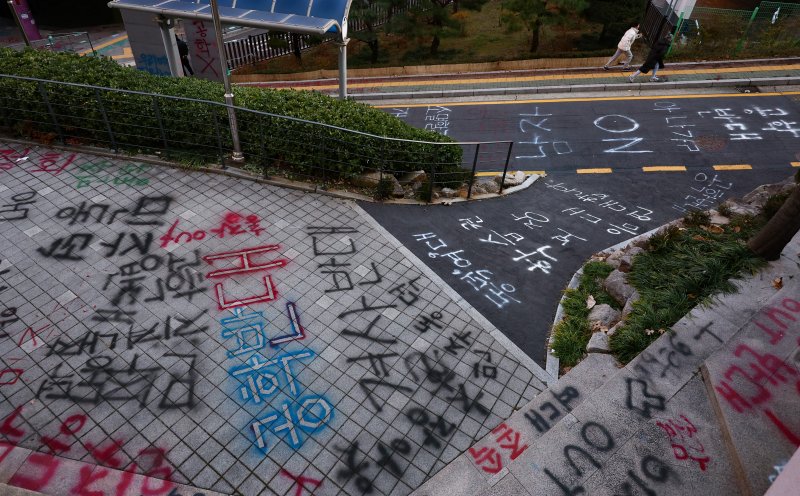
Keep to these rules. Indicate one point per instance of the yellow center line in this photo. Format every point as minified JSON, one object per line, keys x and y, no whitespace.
{"x":548,"y":77}
{"x":510,"y":173}
{"x":664,"y":168}
{"x":600,"y":170}
{"x":733,"y":167}
{"x":795,"y":164}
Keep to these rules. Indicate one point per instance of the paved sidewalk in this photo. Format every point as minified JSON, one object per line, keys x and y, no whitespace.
{"x":744,"y":73}
{"x":198,"y":329}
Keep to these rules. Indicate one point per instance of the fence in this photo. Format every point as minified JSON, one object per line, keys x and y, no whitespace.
{"x":71,"y":42}
{"x":196,"y":132}
{"x":268,"y":45}
{"x":770,"y":29}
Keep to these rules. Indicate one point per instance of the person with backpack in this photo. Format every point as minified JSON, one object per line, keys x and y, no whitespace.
{"x":624,"y":46}
{"x":655,"y":59}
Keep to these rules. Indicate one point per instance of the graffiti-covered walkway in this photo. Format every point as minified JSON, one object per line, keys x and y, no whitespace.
{"x":161,"y":327}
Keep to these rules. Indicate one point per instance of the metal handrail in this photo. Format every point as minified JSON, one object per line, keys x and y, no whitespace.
{"x":343,"y":152}
{"x":260,"y":112}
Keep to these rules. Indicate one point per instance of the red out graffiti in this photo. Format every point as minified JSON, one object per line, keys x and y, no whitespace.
{"x":490,"y":459}
{"x":685,"y":445}
{"x":84,"y":479}
{"x":761,"y":374}
{"x":233,"y":224}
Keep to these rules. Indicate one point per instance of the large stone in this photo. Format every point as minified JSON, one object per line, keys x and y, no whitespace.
{"x":598,"y":343}
{"x":628,"y":308}
{"x":449,"y":193}
{"x":397,"y":189}
{"x":511,"y":179}
{"x":413,"y":177}
{"x":604,"y":314}
{"x":491,"y":187}
{"x":626,"y":260}
{"x":617,"y":287}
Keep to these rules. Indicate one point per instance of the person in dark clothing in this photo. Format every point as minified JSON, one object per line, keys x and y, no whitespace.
{"x":183,"y":51}
{"x":655,"y":59}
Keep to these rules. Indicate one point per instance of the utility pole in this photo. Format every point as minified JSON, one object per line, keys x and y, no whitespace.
{"x":237,"y":156}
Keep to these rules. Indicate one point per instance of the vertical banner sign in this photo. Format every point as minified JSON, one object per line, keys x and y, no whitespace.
{"x":146,"y":42}
{"x":203,"y":50}
{"x":23,"y":13}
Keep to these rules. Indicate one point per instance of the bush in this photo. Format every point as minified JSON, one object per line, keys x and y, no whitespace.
{"x":351,"y":143}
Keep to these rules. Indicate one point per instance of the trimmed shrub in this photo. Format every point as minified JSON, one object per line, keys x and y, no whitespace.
{"x":351,"y":142}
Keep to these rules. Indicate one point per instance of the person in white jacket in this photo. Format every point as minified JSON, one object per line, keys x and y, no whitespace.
{"x":625,"y":45}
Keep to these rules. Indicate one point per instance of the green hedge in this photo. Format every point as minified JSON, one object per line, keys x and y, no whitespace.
{"x":194,"y":128}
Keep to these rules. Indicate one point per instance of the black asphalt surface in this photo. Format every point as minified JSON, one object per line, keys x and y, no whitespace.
{"x":565,"y":135}
{"x":511,"y":257}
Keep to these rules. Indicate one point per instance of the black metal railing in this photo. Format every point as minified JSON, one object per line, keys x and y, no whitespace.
{"x":197,"y":132}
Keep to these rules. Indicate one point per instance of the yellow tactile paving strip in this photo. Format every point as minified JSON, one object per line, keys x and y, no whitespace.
{"x":549,"y":77}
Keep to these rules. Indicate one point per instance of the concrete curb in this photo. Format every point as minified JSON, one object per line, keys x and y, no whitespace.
{"x":501,"y":338}
{"x":576,"y":88}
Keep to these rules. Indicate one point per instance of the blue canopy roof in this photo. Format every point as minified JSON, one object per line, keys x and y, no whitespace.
{"x":301,"y":16}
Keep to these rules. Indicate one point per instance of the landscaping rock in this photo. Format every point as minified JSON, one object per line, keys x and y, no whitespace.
{"x":626,"y":260}
{"x":511,"y":179}
{"x":614,"y":329}
{"x":397,"y":188}
{"x":604,"y":314}
{"x":491,"y":187}
{"x":598,"y":343}
{"x":717,"y":219}
{"x":617,"y":287}
{"x":413,"y":177}
{"x":634,"y":297}
{"x":449,"y":193}
{"x":759,"y":196}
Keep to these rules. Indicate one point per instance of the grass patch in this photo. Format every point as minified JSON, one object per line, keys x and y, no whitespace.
{"x":682,"y":269}
{"x":571,"y":335}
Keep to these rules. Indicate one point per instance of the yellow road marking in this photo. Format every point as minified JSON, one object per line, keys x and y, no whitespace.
{"x":795,"y":164}
{"x":664,"y":168}
{"x":510,"y":173}
{"x":600,"y":170}
{"x":593,"y":99}
{"x":549,"y":77}
{"x":733,"y":167}
{"x":105,"y":44}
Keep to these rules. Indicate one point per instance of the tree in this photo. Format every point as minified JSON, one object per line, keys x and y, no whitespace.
{"x":781,"y":228}
{"x":369,"y":15}
{"x":533,"y":14}
{"x":616,"y":17}
{"x":432,"y":19}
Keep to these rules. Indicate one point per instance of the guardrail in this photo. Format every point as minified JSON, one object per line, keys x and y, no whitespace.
{"x":196,"y":132}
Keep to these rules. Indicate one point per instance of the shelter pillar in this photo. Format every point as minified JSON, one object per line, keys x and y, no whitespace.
{"x":343,"y":67}
{"x":167,"y":27}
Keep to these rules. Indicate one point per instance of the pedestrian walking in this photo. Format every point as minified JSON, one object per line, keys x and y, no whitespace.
{"x":624,"y":46}
{"x":655,"y":59}
{"x":183,"y":51}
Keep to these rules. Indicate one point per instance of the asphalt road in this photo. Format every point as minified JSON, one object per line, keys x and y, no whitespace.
{"x":622,"y":133}
{"x":511,"y":257}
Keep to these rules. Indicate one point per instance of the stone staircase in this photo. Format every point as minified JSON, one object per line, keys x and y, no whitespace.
{"x":710,"y":408}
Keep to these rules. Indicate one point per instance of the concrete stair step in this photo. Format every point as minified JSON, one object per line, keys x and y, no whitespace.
{"x":486,"y":461}
{"x":618,"y":440}
{"x":648,"y":428}
{"x":754,"y":384}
